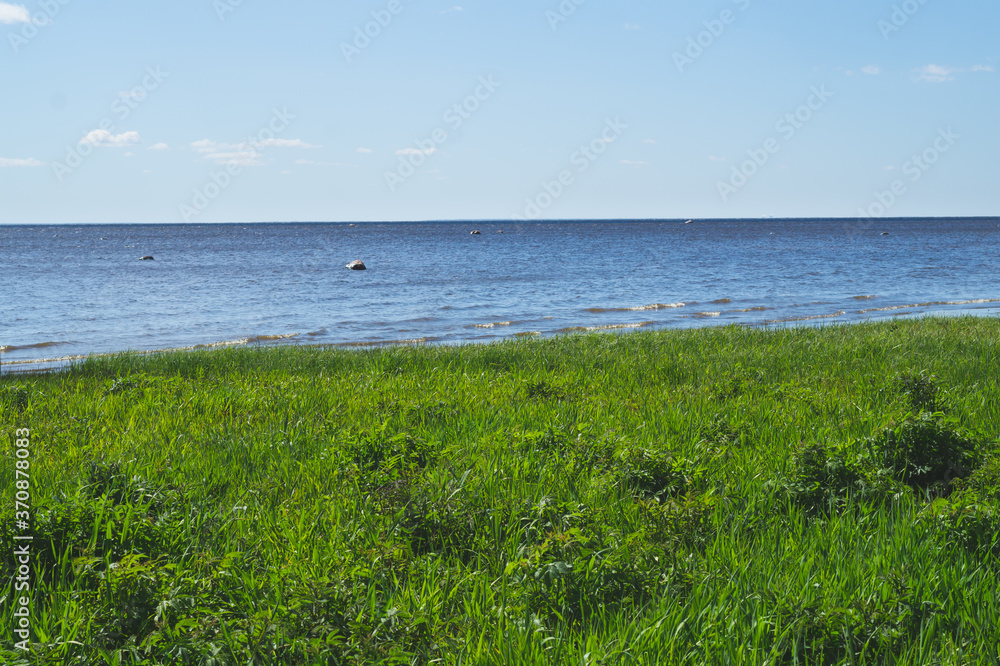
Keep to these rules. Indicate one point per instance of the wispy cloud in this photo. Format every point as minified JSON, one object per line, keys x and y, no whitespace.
{"x":242,"y":154}
{"x":14,"y":13}
{"x":101,"y":137}
{"x":366,"y":151}
{"x":329,"y":164}
{"x":10,"y":162}
{"x":871,"y":70}
{"x":159,"y":146}
{"x":940,"y":74}
{"x":651,"y":142}
{"x":456,"y":8}
{"x":286,"y":143}
{"x":227,"y":153}
{"x":416,"y":151}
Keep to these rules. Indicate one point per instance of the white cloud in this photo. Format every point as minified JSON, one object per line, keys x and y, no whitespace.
{"x":204,"y":146}
{"x":315,"y":163}
{"x":30,"y":162}
{"x":130,"y":154}
{"x":159,"y":146}
{"x":366,"y":151}
{"x":939,"y":74}
{"x":242,"y":154}
{"x":871,"y":69}
{"x":286,"y":143}
{"x":14,"y":13}
{"x":936,"y":73}
{"x":101,"y":137}
{"x":238,"y":158}
{"x":415,"y":151}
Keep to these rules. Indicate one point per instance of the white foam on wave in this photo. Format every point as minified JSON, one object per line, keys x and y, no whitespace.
{"x":975,"y":301}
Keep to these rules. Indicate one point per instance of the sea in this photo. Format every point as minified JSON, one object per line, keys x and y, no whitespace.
{"x":67,"y":292}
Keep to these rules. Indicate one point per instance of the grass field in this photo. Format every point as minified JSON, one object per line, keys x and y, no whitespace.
{"x":715,"y":496}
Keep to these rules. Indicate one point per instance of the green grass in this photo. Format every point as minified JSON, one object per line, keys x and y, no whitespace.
{"x":714,"y":496}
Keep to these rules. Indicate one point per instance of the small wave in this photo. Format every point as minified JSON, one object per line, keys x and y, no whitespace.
{"x":314,"y":334}
{"x":380,"y":343}
{"x":214,"y":345}
{"x":639,"y":308}
{"x":760,"y":308}
{"x":864,"y":298}
{"x":39,"y":345}
{"x":271,"y":338}
{"x":40,"y":361}
{"x":705,"y":315}
{"x":975,"y":301}
{"x":722,"y":301}
{"x":494,"y":324}
{"x":527,"y":334}
{"x":606,"y":327}
{"x":791,"y":319}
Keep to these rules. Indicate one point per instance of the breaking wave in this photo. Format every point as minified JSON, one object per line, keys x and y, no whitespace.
{"x":639,"y":308}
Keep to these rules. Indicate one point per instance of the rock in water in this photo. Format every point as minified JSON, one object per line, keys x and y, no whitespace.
{"x":476,"y":232}
{"x":357,"y":266}
{"x":148,"y":257}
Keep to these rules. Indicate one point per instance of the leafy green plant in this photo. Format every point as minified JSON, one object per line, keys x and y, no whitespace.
{"x":924,"y":451}
{"x":654,"y":475}
{"x":922,"y":390}
{"x":822,"y":478}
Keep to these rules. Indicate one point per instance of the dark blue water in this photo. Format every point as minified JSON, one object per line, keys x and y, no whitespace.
{"x":69,"y":291}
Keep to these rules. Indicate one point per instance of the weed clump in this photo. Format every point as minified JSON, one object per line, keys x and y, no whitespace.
{"x":544,"y":391}
{"x":574,"y":576}
{"x":840,"y":634}
{"x":922,"y":390}
{"x":822,"y":479}
{"x":378,"y":452}
{"x":441,"y":517}
{"x":652,"y":475}
{"x":14,"y":398}
{"x":924,"y":452}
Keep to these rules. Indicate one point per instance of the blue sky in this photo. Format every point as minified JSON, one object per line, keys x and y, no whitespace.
{"x":256,"y":110}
